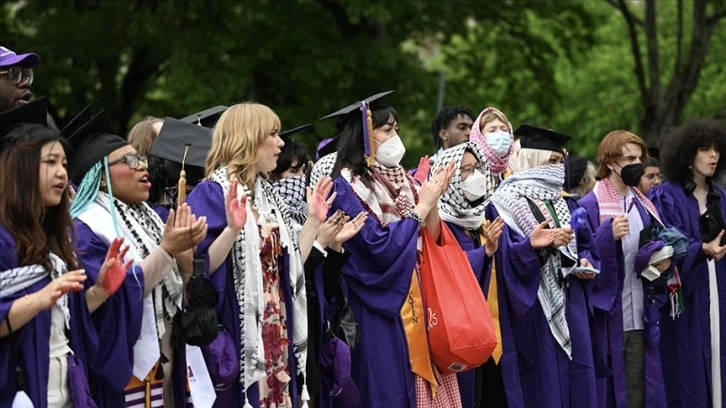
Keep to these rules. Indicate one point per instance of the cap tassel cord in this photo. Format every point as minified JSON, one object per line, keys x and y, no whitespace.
{"x":182,"y":187}
{"x":368,"y":134}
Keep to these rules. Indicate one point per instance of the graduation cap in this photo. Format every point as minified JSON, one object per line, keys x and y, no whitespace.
{"x":207,"y":118}
{"x":15,"y":123}
{"x":91,"y":142}
{"x":532,"y":137}
{"x":81,"y":118}
{"x":327,"y":146}
{"x":575,"y":171}
{"x":184,"y":147}
{"x":348,"y":113}
{"x":285,"y":136}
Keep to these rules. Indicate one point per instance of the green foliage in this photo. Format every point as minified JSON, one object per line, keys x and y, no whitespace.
{"x":562,"y":64}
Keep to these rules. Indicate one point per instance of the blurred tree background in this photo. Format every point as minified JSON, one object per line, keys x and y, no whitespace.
{"x":581,"y":67}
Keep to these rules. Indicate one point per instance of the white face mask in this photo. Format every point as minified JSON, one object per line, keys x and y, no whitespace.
{"x":500,"y":142}
{"x":390,"y":152}
{"x":475,"y":186}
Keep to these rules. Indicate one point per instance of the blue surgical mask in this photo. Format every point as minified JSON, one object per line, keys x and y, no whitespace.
{"x":500,"y":142}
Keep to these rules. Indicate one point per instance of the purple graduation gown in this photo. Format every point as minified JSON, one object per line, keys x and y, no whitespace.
{"x":686,"y":342}
{"x":547,"y":377}
{"x":207,"y":199}
{"x":606,"y":301}
{"x":377,"y":277}
{"x":117,"y":321}
{"x":33,"y":338}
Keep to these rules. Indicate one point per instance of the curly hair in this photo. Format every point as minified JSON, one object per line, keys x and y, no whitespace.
{"x":683,"y":143}
{"x":443,"y":120}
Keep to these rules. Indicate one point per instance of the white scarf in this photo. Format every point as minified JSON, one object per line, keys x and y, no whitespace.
{"x":14,"y":280}
{"x":453,"y":206}
{"x":249,"y":289}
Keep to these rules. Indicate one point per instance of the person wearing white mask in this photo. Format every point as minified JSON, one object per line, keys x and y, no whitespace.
{"x":391,"y":364}
{"x":463,"y":207}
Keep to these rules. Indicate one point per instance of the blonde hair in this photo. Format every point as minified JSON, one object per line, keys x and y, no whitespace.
{"x":490,"y":117}
{"x":236,"y":139}
{"x":143,"y":135}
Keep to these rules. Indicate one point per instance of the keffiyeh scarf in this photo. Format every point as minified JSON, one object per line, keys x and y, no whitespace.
{"x":14,"y":280}
{"x":392,"y":195}
{"x":323,"y":168}
{"x":453,"y":205}
{"x":496,"y":164}
{"x":540,"y":184}
{"x":292,"y":192}
{"x":247,"y":274}
{"x":610,"y":203}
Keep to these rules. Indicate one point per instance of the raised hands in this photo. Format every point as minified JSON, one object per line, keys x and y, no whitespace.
{"x":492,"y":231}
{"x":541,"y":236}
{"x":113,"y":270}
{"x":435,"y":187}
{"x":351,"y":228}
{"x":330,"y":228}
{"x":422,"y":172}
{"x":318,"y":200}
{"x":235,"y":208}
{"x":68,"y":282}
{"x":183,"y":230}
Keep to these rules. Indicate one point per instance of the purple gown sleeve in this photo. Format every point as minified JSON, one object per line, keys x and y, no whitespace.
{"x":520,"y":267}
{"x":673,"y":215}
{"x":382,"y":258}
{"x":118,"y":320}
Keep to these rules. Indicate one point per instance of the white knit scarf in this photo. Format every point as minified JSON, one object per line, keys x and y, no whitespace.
{"x":247,"y":273}
{"x":539,"y":184}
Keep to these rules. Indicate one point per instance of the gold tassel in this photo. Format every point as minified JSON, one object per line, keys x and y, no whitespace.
{"x":371,"y":142}
{"x":182,"y":187}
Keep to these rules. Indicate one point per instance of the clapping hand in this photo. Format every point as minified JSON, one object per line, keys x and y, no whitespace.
{"x":113,"y":270}
{"x":183,"y":230}
{"x":318,"y":204}
{"x":235,"y":208}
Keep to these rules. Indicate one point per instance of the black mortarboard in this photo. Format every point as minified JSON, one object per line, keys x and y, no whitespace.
{"x":93,"y":141}
{"x":35,"y":112}
{"x":175,"y":135}
{"x":349,"y":113}
{"x":286,"y":134}
{"x":84,"y":116}
{"x":17,"y":123}
{"x":207,"y":118}
{"x":575,"y":170}
{"x":350,"y":108}
{"x":532,"y":137}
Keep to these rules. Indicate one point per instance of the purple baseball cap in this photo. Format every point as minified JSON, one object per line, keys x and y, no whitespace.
{"x":335,"y":373}
{"x":9,"y":57}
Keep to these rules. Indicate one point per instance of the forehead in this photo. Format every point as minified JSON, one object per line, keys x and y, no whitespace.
{"x":468,"y":158}
{"x":461,"y":118}
{"x":120,"y":152}
{"x":53,"y":147}
{"x":631,"y":149}
{"x":495,"y":122}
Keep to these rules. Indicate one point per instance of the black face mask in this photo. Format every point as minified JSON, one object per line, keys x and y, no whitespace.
{"x":631,"y":174}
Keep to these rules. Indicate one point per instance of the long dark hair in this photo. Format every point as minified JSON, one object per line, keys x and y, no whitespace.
{"x":351,"y":150}
{"x":37,"y":230}
{"x":683,"y":143}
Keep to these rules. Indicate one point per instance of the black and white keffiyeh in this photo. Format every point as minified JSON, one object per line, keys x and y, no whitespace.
{"x":292,"y":192}
{"x":14,"y":280}
{"x":323,"y":168}
{"x":453,"y":205}
{"x":511,"y":200}
{"x":248,"y":278}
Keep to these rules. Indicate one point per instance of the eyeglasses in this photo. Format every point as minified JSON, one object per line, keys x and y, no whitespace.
{"x":17,"y":74}
{"x":131,"y":160}
{"x":469,"y":168}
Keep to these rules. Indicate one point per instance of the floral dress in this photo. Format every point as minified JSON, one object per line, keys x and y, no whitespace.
{"x":274,"y":389}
